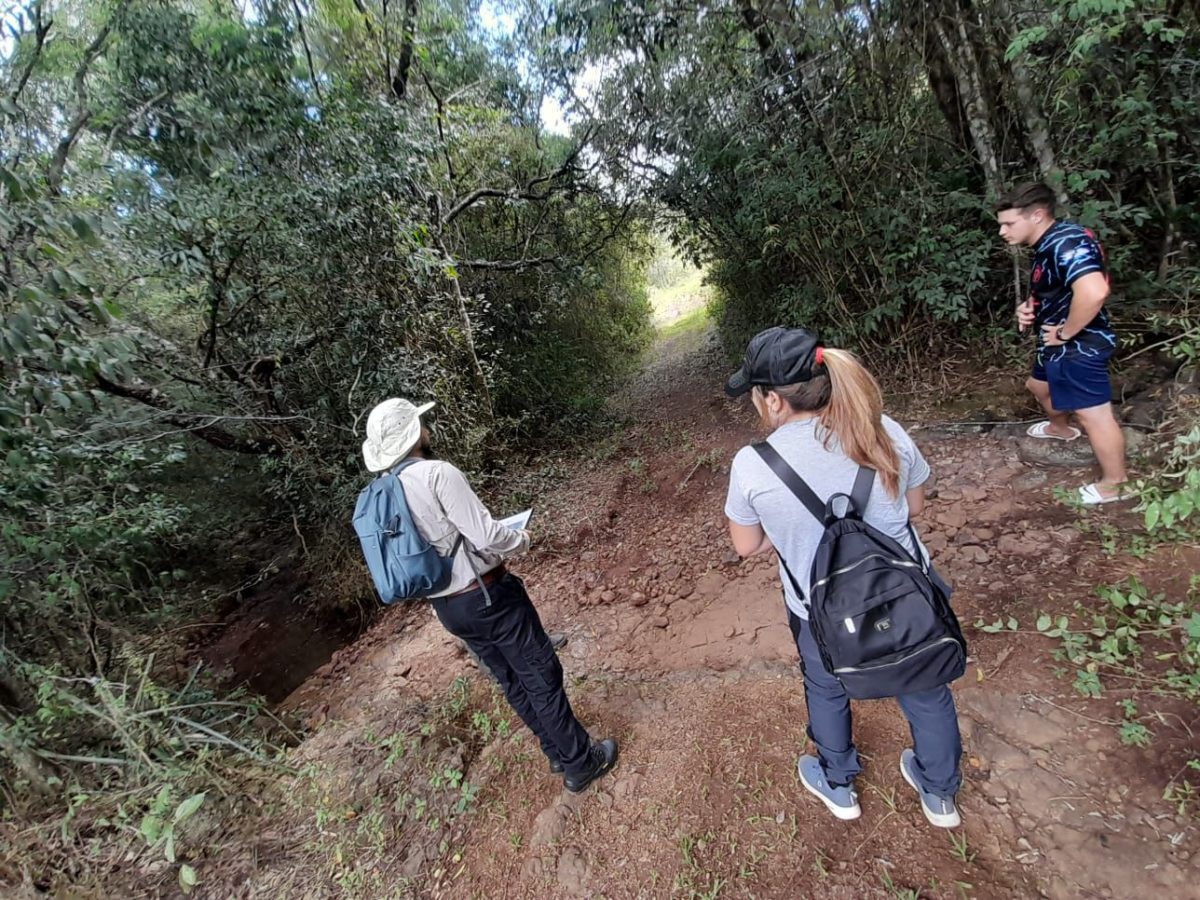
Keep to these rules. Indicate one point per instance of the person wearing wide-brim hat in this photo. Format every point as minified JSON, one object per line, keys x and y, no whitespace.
{"x":824,"y":411}
{"x":483,"y":604}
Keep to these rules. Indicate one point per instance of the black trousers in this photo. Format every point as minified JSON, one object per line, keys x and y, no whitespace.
{"x":508,"y":636}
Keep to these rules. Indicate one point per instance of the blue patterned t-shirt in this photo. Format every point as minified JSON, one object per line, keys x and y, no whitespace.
{"x":1063,"y":255}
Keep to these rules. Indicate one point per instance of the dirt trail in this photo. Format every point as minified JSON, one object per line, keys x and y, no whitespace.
{"x":680,"y":650}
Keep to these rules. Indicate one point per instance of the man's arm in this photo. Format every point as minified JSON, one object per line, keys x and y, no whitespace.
{"x":1088,"y":294}
{"x":468,"y":514}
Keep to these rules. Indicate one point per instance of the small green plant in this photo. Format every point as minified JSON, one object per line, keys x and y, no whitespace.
{"x":1133,"y":732}
{"x":449,"y":778}
{"x":488,"y":724}
{"x":687,"y":847}
{"x":1169,"y":503}
{"x":1182,"y":793}
{"x":821,"y":864}
{"x":641,"y":473}
{"x":898,"y":892}
{"x":1146,"y":642}
{"x":158,"y":828}
{"x":888,"y":797}
{"x":1132,"y":623}
{"x":959,"y":849}
{"x":397,"y":747}
{"x":999,"y":625}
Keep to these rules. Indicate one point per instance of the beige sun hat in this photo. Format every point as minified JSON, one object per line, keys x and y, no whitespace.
{"x":393,"y":429}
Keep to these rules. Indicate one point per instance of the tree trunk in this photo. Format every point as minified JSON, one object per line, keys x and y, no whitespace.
{"x":408,"y":28}
{"x":945,"y":89}
{"x":965,"y":65}
{"x":1036,"y":128}
{"x":464,"y":317}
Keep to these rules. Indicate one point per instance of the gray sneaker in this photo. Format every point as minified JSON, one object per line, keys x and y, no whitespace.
{"x":940,"y":811}
{"x":841,"y":801}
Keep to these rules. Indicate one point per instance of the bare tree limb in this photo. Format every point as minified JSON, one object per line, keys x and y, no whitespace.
{"x":526,"y":193}
{"x":508,"y":265}
{"x":366,"y":15}
{"x":133,"y":118}
{"x":441,"y":117}
{"x":371,"y":33}
{"x":40,"y":30}
{"x":312,"y":72}
{"x":82,"y":113}
{"x":514,"y":265}
{"x":210,"y":434}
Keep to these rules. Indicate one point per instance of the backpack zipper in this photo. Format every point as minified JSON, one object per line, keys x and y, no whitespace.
{"x":895,"y":562}
{"x":896,"y":662}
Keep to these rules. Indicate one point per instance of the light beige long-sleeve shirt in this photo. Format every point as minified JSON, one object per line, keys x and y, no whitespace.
{"x":443,"y":506}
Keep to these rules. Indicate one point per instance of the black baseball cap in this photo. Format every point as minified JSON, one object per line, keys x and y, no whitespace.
{"x":776,"y":357}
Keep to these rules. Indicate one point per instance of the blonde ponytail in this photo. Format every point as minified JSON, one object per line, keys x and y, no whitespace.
{"x":854,"y":415}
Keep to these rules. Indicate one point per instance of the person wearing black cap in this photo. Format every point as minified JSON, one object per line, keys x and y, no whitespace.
{"x":825,"y":413}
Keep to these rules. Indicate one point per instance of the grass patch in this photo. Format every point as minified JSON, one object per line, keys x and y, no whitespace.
{"x":684,"y":298}
{"x":695,"y":320}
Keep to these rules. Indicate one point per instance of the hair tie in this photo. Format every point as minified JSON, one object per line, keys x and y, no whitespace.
{"x":819,"y":359}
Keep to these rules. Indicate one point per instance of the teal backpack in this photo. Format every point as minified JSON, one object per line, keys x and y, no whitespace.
{"x":403,"y":564}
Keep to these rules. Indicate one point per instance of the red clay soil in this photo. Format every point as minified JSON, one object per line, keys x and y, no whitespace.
{"x":680,"y":651}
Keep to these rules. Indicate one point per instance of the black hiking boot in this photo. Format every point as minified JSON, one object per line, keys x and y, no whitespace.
{"x":603,"y":757}
{"x":555,"y":767}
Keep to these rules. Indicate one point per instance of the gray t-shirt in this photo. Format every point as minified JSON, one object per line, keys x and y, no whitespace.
{"x":757,"y":496}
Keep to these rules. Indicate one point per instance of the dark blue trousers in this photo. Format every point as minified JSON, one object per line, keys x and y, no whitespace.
{"x":509,"y":638}
{"x":931,"y":716}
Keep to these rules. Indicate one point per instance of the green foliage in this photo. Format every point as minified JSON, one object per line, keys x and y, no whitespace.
{"x":223,"y":238}
{"x":1169,"y":501}
{"x":1131,"y":623}
{"x":1147,"y":644}
{"x":829,"y":168}
{"x":419,"y":800}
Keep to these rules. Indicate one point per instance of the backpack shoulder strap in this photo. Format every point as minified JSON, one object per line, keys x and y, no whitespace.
{"x":863,"y":482}
{"x":460,"y":542}
{"x":794,"y":482}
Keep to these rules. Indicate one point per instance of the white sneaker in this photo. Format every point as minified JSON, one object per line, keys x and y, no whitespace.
{"x":940,"y":811}
{"x":841,"y":801}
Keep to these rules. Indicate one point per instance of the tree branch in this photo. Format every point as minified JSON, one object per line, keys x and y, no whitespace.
{"x":210,"y":434}
{"x":514,"y":265}
{"x":527,"y":193}
{"x":40,"y":30}
{"x":133,"y":118}
{"x":312,"y":72}
{"x":366,"y":16}
{"x":507,"y":265}
{"x":82,"y":113}
{"x":441,"y":116}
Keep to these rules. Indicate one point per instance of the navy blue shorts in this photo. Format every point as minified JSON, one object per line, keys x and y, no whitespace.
{"x":1078,"y":380}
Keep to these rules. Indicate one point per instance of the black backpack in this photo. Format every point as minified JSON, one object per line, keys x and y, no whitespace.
{"x":880,"y":616}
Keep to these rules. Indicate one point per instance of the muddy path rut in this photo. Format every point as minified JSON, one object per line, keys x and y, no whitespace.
{"x":680,"y":650}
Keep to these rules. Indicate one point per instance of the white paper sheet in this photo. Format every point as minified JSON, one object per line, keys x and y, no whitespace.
{"x":519,"y":520}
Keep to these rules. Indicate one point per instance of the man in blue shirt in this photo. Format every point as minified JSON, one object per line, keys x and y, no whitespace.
{"x":1067,"y":289}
